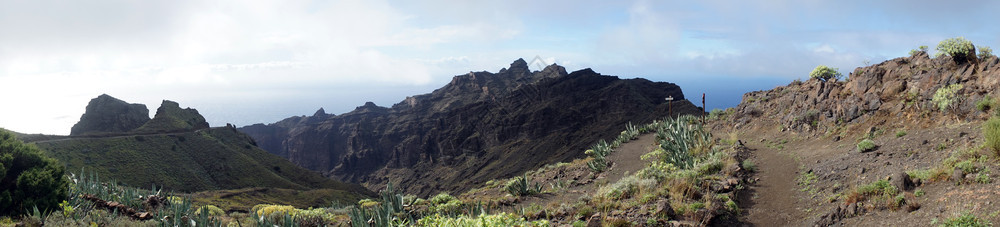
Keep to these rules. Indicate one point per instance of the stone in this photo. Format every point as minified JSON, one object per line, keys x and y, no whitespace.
{"x":902,"y":181}
{"x":663,"y":209}
{"x":958,"y":176}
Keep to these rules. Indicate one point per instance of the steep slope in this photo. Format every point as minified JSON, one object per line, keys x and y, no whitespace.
{"x":188,"y":160}
{"x":106,"y":114}
{"x":478,"y":127}
{"x":921,"y":115}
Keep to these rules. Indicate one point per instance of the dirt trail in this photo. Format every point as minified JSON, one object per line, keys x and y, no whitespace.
{"x":626,"y":159}
{"x":773,"y":197}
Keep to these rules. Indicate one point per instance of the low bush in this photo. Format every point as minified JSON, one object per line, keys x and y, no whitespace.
{"x":945,"y":96}
{"x":985,"y":52}
{"x":825,"y":73}
{"x":958,"y":48}
{"x":866,"y":145}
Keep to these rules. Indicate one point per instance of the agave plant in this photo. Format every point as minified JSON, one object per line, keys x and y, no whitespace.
{"x":519,"y":186}
{"x":678,"y":138}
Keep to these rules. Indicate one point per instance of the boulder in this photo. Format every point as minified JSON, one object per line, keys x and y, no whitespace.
{"x":902,"y":181}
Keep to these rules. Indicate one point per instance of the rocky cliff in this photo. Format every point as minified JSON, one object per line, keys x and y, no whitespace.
{"x":171,"y":118}
{"x":478,"y":127}
{"x":898,"y":91}
{"x":106,"y":114}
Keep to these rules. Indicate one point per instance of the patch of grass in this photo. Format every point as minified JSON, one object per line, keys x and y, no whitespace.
{"x":806,"y":180}
{"x":986,"y":104}
{"x":749,"y":165}
{"x":866,"y":145}
{"x":966,"y":220}
{"x":900,"y":133}
{"x":881,"y":193}
{"x":991,"y":132}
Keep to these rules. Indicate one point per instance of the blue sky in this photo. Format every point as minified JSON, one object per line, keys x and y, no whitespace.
{"x":248,"y":62}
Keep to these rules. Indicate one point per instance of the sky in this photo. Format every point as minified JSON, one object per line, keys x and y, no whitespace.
{"x":247,"y":62}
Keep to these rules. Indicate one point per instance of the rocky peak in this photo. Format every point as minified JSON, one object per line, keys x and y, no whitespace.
{"x":171,"y":118}
{"x":369,"y":107}
{"x":106,"y":114}
{"x":319,"y":113}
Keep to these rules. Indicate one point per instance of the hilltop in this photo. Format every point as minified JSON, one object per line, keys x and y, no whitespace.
{"x":478,"y":127}
{"x":177,"y":151}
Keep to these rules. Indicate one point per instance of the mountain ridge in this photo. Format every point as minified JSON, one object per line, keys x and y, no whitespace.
{"x":464,"y":132}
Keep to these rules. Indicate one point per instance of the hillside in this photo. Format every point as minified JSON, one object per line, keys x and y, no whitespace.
{"x":478,"y":127}
{"x":899,"y":143}
{"x":190,"y":158}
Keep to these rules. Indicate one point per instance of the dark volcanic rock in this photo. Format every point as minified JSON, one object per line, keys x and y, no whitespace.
{"x":106,"y":114}
{"x":171,"y":118}
{"x":478,"y":127}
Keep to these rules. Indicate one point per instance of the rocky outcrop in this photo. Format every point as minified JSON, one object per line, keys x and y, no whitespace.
{"x":478,"y":127}
{"x":106,"y":114}
{"x":171,"y":118}
{"x":897,"y":91}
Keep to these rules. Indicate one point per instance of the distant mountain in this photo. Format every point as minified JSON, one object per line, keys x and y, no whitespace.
{"x":177,"y":150}
{"x":478,"y":127}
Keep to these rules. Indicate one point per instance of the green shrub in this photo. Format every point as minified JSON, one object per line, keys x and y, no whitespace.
{"x":680,"y":140}
{"x":966,"y":220}
{"x":442,"y":198}
{"x":866,"y":145}
{"x":991,"y":130}
{"x":944,"y":96}
{"x":958,"y":48}
{"x":212,"y":210}
{"x":985,"y":52}
{"x":825,"y":73}
{"x":900,"y":133}
{"x":28,"y":179}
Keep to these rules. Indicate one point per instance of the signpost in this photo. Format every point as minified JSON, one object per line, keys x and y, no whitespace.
{"x":670,"y":105}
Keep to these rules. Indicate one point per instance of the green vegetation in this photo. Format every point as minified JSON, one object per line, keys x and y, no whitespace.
{"x":211,"y":159}
{"x":501,"y":219}
{"x":825,"y":73}
{"x":28,"y":179}
{"x":991,"y":132}
{"x":866,"y":145}
{"x":681,"y":140}
{"x":900,"y":133}
{"x":966,"y":220}
{"x":985,"y":52}
{"x":520,"y":186}
{"x":958,"y":48}
{"x":986,"y":104}
{"x":922,"y":49}
{"x":944,"y":96}
{"x":881,"y":193}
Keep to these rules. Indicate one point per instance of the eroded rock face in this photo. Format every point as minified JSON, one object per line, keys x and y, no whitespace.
{"x":478,"y":127}
{"x":106,"y":114}
{"x":171,"y":118}
{"x":901,"y":88}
